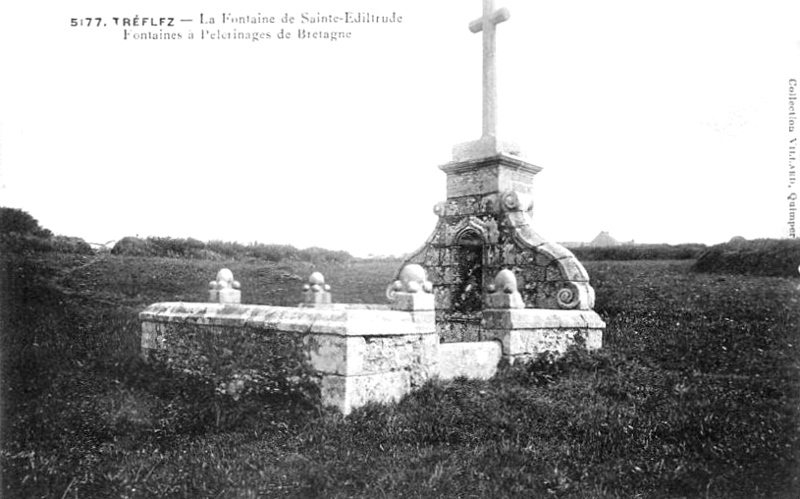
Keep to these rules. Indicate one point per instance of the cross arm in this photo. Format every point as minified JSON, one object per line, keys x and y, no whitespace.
{"x":499,"y":16}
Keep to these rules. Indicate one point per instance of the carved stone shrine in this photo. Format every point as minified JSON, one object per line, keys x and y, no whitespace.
{"x":485,"y":226}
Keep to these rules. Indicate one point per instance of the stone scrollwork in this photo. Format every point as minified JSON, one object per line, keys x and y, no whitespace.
{"x":392,"y":289}
{"x":440,"y":209}
{"x":515,"y":201}
{"x":568,"y":296}
{"x":511,"y":201}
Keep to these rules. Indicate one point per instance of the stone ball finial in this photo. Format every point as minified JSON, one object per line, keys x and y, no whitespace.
{"x":506,"y":281}
{"x":316,"y":293}
{"x":516,"y":201}
{"x":316,"y":282}
{"x":412,"y":290}
{"x":225,"y":280}
{"x":412,"y":279}
{"x":224,"y":289}
{"x":503,"y":292}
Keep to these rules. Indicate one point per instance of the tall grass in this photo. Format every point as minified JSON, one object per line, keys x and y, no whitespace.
{"x":766,"y":257}
{"x":695,"y":394}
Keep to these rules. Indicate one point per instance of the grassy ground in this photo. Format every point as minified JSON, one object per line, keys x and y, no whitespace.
{"x":695,"y":395}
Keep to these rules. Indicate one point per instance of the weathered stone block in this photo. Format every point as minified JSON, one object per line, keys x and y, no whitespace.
{"x":439,"y":236}
{"x":503,"y":300}
{"x":532,"y":274}
{"x":553,"y":272}
{"x":519,"y":182}
{"x":525,"y":333}
{"x":150,"y":336}
{"x":443,"y":298}
{"x":432,"y":257}
{"x":471,"y":360}
{"x":543,"y":259}
{"x":436,"y":274}
{"x":462,"y":206}
{"x":413,"y":301}
{"x":475,"y":182}
{"x":524,"y":344}
{"x":350,"y":392}
{"x":390,"y":353}
{"x":333,"y":354}
{"x":463,"y":329}
{"x":528,"y":318}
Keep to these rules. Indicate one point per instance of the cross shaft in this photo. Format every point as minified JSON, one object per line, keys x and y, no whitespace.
{"x":488,"y":24}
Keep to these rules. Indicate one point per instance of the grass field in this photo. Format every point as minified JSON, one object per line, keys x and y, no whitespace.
{"x":694,"y":395}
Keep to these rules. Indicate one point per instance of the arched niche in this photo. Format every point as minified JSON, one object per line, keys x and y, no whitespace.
{"x":468,"y":272}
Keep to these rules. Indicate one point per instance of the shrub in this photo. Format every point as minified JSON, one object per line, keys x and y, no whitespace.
{"x":176,"y":248}
{"x":640,"y":252}
{"x":764,"y":257}
{"x":66,"y":244}
{"x":216,"y":250}
{"x":24,"y":244}
{"x":16,"y":221}
{"x":131,"y":246}
{"x":20,"y":234}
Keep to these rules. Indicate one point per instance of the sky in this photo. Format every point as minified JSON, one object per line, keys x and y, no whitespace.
{"x":658,"y":122}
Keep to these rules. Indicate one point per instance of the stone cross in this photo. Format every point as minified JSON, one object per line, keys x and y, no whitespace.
{"x":489,"y":144}
{"x":488,"y":24}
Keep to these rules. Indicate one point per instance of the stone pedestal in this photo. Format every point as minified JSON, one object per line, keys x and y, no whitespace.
{"x":485,"y":226}
{"x":485,"y":147}
{"x":527,"y":333}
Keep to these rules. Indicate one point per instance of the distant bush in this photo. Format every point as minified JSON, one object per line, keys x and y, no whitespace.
{"x":218,"y":250}
{"x":16,"y":221}
{"x":27,"y":244}
{"x":66,"y":244}
{"x":20,"y":233}
{"x":321,"y":255}
{"x":764,"y":257}
{"x":177,"y":248}
{"x":270,"y":252}
{"x":131,"y":246}
{"x":640,"y":252}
